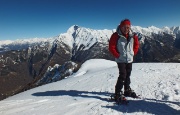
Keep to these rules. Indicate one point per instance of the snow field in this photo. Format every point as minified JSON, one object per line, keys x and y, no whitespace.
{"x":87,"y":91}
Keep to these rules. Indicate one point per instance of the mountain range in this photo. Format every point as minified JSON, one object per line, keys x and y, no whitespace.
{"x":29,"y":63}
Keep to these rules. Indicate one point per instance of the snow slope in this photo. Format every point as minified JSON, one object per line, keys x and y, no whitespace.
{"x":87,"y":91}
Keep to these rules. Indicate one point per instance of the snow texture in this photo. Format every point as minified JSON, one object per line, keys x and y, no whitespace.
{"x":87,"y":91}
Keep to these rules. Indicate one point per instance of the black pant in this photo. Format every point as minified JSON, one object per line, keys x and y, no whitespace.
{"x":124,"y":76}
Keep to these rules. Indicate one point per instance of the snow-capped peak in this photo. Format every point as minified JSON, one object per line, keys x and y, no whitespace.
{"x":176,"y":30}
{"x":5,"y":42}
{"x":86,"y":36}
{"x":72,"y":29}
{"x":152,"y":29}
{"x":22,"y":41}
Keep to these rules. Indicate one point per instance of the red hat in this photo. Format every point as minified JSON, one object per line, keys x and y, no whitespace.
{"x":125,"y":22}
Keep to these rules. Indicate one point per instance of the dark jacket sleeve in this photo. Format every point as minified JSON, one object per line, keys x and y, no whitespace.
{"x":113,"y":45}
{"x":136,"y":44}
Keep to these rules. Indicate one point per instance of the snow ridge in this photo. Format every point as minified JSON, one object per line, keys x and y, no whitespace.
{"x":76,"y":36}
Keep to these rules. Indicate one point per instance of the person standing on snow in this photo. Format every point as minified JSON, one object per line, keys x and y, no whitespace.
{"x":124,"y":45}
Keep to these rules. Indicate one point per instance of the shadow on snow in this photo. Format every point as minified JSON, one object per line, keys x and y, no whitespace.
{"x":74,"y":93}
{"x":152,"y":106}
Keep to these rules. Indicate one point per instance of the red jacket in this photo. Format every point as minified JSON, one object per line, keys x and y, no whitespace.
{"x":113,"y":45}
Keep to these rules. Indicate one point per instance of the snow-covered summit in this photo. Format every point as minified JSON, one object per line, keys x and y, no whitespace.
{"x":86,"y":36}
{"x":176,"y":30}
{"x":152,"y":30}
{"x":24,"y":41}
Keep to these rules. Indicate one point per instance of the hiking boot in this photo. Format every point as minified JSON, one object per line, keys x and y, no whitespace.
{"x":120,"y":99}
{"x":118,"y":96}
{"x":130,"y":93}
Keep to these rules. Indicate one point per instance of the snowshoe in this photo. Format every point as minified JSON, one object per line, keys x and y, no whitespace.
{"x":130,"y":93}
{"x":119,"y":99}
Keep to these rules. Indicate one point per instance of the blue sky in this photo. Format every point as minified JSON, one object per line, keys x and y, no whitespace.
{"x":22,"y":19}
